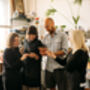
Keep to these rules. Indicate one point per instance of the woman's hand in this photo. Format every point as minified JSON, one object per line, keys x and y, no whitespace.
{"x":42,"y":50}
{"x":34,"y":55}
{"x":24,"y":56}
{"x":51,"y":54}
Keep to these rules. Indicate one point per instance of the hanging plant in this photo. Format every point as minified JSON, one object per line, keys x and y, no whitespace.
{"x":78,"y":2}
{"x":52,"y":0}
{"x":51,"y":11}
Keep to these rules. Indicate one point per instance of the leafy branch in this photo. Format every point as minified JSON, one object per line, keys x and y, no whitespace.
{"x":78,"y":2}
{"x":76,"y":20}
{"x":52,"y":0}
{"x":75,"y":1}
{"x":51,"y":11}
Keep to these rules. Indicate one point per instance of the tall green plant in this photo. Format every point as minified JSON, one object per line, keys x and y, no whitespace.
{"x":52,"y":0}
{"x":76,"y":19}
{"x":51,"y":11}
{"x":78,"y":2}
{"x":75,"y":1}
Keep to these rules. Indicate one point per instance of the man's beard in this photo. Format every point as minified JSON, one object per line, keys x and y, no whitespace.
{"x":51,"y":32}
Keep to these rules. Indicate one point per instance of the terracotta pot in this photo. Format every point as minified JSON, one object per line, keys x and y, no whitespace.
{"x":88,"y":66}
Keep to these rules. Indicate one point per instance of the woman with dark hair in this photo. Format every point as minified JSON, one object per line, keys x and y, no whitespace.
{"x":32,"y":64}
{"x":12,"y":68}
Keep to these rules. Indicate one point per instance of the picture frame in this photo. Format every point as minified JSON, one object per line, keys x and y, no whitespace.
{"x":17,"y":5}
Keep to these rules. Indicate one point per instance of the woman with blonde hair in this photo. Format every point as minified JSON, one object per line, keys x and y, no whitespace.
{"x":12,"y":77}
{"x":75,"y":63}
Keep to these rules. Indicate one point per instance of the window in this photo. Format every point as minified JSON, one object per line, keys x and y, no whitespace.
{"x":4,"y":22}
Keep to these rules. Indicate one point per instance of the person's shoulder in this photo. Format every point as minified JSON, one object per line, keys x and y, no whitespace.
{"x":8,"y":50}
{"x":81,"y":52}
{"x":46,"y":35}
{"x":82,"y":56}
{"x":39,"y":41}
{"x":61,"y":33}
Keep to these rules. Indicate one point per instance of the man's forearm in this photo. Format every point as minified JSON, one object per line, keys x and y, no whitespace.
{"x":59,"y":53}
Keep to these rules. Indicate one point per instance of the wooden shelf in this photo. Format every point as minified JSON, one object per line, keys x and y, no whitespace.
{"x":6,"y":26}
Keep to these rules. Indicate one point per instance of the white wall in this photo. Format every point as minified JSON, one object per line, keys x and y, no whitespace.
{"x":4,"y":12}
{"x":40,"y":6}
{"x":63,"y":7}
{"x":30,"y":6}
{"x":4,"y":20}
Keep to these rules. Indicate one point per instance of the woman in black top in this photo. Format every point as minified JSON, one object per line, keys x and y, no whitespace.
{"x":75,"y":63}
{"x":32,"y":64}
{"x":12,"y":68}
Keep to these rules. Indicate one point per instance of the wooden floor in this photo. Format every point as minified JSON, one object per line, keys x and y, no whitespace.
{"x":87,"y":89}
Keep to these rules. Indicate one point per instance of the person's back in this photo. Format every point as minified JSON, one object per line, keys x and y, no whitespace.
{"x":75,"y":63}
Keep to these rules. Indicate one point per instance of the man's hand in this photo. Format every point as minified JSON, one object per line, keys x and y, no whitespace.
{"x":51,"y":54}
{"x":59,"y":53}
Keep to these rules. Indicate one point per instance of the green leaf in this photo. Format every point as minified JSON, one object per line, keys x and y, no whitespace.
{"x":63,"y":26}
{"x":56,"y":26}
{"x":52,"y":0}
{"x":51,"y":11}
{"x":76,"y":19}
{"x":89,"y":59}
{"x":78,"y":2}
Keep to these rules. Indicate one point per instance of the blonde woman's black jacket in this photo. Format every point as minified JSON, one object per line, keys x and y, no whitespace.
{"x":76,"y":62}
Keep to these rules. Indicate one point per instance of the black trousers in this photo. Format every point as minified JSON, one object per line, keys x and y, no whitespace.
{"x":63,"y":79}
{"x":56,"y":78}
{"x":73,"y":81}
{"x":1,"y":85}
{"x":12,"y":81}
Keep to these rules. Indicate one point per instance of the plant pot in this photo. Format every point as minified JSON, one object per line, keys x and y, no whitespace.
{"x":88,"y":65}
